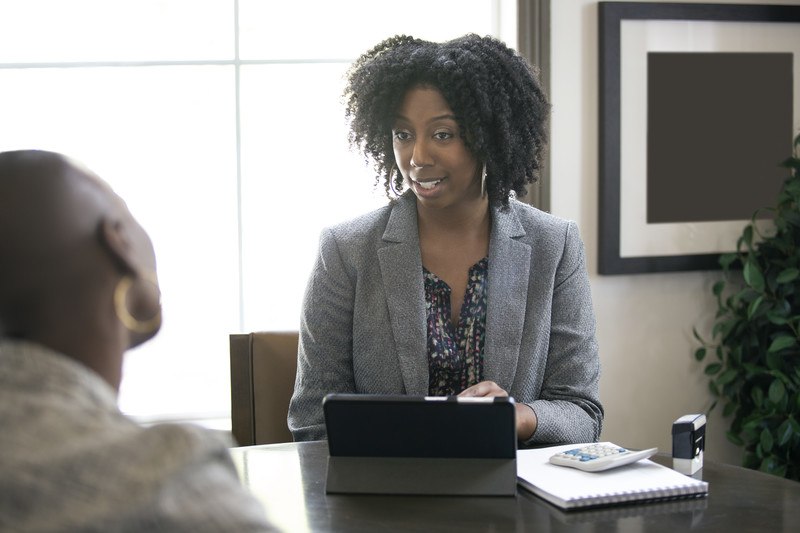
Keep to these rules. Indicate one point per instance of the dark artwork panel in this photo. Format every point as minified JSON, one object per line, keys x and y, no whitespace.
{"x":718,"y":126}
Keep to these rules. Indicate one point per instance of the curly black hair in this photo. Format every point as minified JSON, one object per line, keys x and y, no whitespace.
{"x":494,"y":92}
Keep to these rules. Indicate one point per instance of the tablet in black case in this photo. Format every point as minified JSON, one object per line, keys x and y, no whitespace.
{"x":420,"y":445}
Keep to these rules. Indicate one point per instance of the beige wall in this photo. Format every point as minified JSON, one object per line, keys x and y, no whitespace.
{"x":645,"y":321}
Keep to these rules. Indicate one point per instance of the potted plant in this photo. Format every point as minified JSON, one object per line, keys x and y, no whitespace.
{"x":754,"y":355}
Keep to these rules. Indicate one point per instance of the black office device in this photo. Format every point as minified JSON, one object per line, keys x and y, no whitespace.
{"x":420,"y":445}
{"x":688,"y":443}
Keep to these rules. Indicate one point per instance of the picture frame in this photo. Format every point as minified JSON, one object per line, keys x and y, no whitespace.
{"x":628,"y":243}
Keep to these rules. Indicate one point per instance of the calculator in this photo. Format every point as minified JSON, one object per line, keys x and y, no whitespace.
{"x":599,"y":456}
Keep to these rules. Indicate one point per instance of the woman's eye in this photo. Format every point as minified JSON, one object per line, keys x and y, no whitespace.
{"x":402,"y":135}
{"x":442,"y":135}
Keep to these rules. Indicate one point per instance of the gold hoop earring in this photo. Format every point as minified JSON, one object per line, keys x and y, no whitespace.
{"x":121,"y":309}
{"x":391,"y":180}
{"x":483,"y":181}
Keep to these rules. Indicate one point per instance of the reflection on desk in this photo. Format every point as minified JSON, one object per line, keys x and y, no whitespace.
{"x":290,"y":480}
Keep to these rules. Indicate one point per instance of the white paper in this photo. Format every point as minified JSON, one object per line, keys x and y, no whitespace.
{"x":570,"y":487}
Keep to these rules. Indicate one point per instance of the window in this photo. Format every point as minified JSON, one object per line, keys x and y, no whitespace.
{"x":216,"y":120}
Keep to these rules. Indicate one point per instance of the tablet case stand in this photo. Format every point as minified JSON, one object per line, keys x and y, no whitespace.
{"x":422,"y":476}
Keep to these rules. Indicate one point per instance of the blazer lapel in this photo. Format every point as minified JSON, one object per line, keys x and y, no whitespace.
{"x":509,"y":272}
{"x":401,"y":271}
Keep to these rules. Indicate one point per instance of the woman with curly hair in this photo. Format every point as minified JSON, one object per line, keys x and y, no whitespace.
{"x":455,"y":287}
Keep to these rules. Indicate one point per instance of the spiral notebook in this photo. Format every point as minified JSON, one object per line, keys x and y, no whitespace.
{"x":570,"y":488}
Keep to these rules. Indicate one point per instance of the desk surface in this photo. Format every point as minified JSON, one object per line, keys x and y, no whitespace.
{"x":290,"y":480}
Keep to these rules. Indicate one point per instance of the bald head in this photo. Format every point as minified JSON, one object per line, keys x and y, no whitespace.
{"x":65,"y":238}
{"x":47,"y":201}
{"x":49,"y":212}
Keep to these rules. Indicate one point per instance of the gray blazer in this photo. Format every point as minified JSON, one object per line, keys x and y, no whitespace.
{"x":363,"y":325}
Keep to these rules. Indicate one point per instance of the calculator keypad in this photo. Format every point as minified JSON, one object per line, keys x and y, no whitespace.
{"x":595,"y":451}
{"x":599,"y":456}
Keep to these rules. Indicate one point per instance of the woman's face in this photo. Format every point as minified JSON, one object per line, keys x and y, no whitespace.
{"x":430,"y":152}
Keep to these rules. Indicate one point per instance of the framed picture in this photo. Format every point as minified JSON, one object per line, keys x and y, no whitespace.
{"x":698,"y":108}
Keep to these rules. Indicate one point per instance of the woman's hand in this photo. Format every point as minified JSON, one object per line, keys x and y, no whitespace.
{"x":525,"y":416}
{"x":484,"y":389}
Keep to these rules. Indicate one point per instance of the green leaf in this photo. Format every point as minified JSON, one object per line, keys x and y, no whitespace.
{"x":781,"y":342}
{"x":718,"y":288}
{"x":777,"y":318}
{"x":754,"y":370}
{"x":766,"y":440}
{"x":772,"y":465}
{"x":777,"y":390}
{"x":726,"y":327}
{"x":784,"y":432}
{"x":757,"y":395}
{"x":727,"y":376}
{"x":713,"y":368}
{"x":779,"y":470}
{"x":725,"y":261}
{"x":700,"y":354}
{"x":729,"y":409}
{"x":747,"y":236}
{"x":753,"y":307}
{"x":774,"y":360}
{"x":753,"y":276}
{"x":788,"y":275}
{"x":752,"y":424}
{"x":792,"y":186}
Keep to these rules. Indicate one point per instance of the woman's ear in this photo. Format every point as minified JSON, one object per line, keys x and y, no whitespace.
{"x":113,"y":238}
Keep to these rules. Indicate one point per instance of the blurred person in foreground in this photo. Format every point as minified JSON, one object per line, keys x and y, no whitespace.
{"x":78,"y":288}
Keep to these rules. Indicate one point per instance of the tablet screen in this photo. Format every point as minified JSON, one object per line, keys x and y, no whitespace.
{"x":420,"y":426}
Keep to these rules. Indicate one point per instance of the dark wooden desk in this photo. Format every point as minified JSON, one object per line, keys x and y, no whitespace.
{"x":290,"y":480}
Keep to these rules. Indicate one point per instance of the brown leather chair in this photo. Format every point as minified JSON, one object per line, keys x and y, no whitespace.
{"x":263,"y":367}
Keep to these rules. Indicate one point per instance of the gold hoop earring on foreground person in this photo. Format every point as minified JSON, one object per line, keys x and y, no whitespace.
{"x":483,"y":181}
{"x":121,"y":309}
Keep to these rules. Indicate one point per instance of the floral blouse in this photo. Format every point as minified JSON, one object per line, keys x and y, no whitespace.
{"x":455,"y":355}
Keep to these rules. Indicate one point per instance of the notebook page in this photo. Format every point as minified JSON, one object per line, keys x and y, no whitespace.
{"x":569,"y":487}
